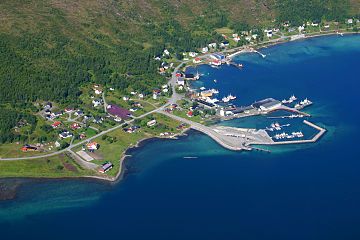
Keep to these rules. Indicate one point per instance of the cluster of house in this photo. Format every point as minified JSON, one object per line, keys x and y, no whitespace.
{"x":157,"y":92}
{"x":132,"y":129}
{"x":166,"y":134}
{"x":171,"y":107}
{"x":48,"y":114}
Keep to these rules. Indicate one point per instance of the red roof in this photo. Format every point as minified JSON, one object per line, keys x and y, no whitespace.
{"x":190,"y":113}
{"x":56,"y":124}
{"x":197,"y":59}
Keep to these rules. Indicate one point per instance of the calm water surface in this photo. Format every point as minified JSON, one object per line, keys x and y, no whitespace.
{"x":296,"y":192}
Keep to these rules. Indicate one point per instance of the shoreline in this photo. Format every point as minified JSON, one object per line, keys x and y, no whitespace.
{"x":250,"y":48}
{"x":124,"y":156}
{"x":108,"y":179}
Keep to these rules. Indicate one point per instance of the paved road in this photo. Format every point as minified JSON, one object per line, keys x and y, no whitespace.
{"x":223,"y":140}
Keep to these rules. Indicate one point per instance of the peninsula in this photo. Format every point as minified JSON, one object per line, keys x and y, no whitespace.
{"x":84,"y":127}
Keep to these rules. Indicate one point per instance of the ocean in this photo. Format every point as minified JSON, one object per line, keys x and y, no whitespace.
{"x":308,"y":191}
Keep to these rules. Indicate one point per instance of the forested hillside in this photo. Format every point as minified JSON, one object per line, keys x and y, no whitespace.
{"x":49,"y":48}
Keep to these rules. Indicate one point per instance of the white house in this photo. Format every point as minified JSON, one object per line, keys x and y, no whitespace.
{"x":141,"y":95}
{"x":92,"y":146}
{"x":65,"y":134}
{"x":181,"y":81}
{"x":212,"y":45}
{"x":193,"y":54}
{"x":125,"y":98}
{"x":248,"y":38}
{"x":204,"y":49}
{"x":301,"y":28}
{"x":151,"y":123}
{"x":166,"y":52}
{"x":96,"y":102}
{"x":314,"y":24}
{"x":237,"y":38}
{"x":269,"y":33}
{"x":350,"y":21}
{"x":97,"y":91}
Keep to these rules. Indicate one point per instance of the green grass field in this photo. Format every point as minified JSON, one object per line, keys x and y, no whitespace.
{"x":52,"y":167}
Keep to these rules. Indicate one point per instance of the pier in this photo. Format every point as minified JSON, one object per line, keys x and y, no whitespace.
{"x":261,"y":54}
{"x":237,"y":139}
{"x":313,"y":140}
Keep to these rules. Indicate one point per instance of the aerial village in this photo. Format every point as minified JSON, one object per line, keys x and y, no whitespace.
{"x":106,"y":107}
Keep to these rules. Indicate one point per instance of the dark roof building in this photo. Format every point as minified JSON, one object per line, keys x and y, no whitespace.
{"x":267,"y":104}
{"x":117,"y":111}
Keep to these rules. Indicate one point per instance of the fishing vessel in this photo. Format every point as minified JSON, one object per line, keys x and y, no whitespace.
{"x":214,"y":91}
{"x":304,"y":103}
{"x":228,"y":98}
{"x":290,"y":100}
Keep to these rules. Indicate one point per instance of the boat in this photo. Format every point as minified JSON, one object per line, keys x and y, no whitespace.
{"x":231,"y":97}
{"x":304,"y":103}
{"x":290,"y":100}
{"x":197,"y":76}
{"x":225,"y":99}
{"x":202,"y":88}
{"x":215,"y":81}
{"x":214,"y":91}
{"x":228,"y":98}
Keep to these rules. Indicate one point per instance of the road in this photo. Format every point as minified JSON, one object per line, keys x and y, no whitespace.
{"x":174,"y":98}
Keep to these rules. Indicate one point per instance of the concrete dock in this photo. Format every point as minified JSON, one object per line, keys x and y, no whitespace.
{"x":313,"y":140}
{"x":242,"y":138}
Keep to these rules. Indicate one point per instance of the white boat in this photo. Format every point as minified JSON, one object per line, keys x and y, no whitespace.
{"x":214,"y":91}
{"x":290,"y":100}
{"x":293,"y":98}
{"x":202,"y":88}
{"x":305,"y":102}
{"x":228,"y":98}
{"x":225,"y":99}
{"x":231,"y":97}
{"x":212,"y":100}
{"x":215,"y":81}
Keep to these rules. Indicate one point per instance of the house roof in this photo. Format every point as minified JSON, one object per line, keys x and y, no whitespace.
{"x":118,"y":111}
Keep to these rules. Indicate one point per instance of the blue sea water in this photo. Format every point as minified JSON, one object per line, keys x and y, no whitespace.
{"x":296,"y":192}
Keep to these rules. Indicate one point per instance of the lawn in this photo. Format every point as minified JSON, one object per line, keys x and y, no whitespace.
{"x":52,"y":167}
{"x":114,"y":144}
{"x":13,"y":150}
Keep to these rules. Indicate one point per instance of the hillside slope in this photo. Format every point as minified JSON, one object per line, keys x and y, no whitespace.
{"x":48,"y":48}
